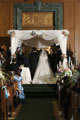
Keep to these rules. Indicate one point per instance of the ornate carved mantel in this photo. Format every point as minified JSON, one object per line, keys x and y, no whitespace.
{"x":38,"y":6}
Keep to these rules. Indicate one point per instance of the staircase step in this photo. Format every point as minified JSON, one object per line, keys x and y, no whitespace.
{"x":40,"y":90}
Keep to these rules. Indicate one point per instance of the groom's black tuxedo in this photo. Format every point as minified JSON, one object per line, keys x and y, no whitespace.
{"x":33,"y":58}
{"x":53,"y":62}
{"x":25,"y":62}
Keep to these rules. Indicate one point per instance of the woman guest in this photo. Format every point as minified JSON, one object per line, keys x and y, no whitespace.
{"x":19,"y":87}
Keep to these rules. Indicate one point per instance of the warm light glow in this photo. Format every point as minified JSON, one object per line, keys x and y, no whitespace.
{"x":46,"y":49}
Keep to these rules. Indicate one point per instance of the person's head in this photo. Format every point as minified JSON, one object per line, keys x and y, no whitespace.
{"x":58,"y":47}
{"x":34,"y":49}
{"x":18,"y":72}
{"x":14,"y":60}
{"x":1,"y":49}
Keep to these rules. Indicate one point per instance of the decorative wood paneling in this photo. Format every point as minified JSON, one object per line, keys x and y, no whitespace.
{"x":4,"y":17}
{"x":77,"y":30}
{"x":0,"y":20}
{"x":11,"y":13}
{"x":22,"y":1}
{"x":12,"y":3}
{"x":51,"y":1}
{"x":69,"y":19}
{"x":5,"y":41}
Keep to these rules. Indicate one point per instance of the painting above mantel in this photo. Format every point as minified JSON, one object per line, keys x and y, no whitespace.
{"x":38,"y":16}
{"x":37,"y":20}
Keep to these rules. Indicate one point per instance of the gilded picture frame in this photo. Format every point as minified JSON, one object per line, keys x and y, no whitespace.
{"x":37,"y":20}
{"x":56,"y":8}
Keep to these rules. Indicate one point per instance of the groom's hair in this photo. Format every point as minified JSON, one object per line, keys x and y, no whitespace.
{"x":34,"y":49}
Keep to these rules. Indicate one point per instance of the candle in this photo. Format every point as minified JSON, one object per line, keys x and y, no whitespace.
{"x":69,"y":61}
{"x":59,"y":64}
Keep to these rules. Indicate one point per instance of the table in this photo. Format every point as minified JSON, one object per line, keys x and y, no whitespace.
{"x":26,"y":75}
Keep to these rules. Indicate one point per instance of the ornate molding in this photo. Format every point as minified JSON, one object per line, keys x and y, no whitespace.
{"x":38,"y":6}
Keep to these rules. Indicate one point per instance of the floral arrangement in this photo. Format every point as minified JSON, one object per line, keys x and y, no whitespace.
{"x":64,"y":75}
{"x":65,"y":71}
{"x":68,"y":76}
{"x":65,"y":33}
{"x":78,"y":67}
{"x":33,"y":33}
{"x":4,"y":78}
{"x":75,"y":76}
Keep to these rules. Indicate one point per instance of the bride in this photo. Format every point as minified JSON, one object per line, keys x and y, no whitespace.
{"x":43,"y":73}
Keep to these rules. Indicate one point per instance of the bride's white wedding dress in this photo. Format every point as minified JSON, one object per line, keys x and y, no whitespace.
{"x":43,"y":74}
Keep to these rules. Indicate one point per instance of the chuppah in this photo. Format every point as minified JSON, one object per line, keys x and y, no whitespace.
{"x":40,"y":39}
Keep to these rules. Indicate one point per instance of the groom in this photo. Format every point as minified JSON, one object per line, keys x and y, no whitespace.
{"x":33,"y":58}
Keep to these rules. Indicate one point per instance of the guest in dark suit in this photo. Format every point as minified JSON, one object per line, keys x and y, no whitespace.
{"x":53,"y":60}
{"x":33,"y":57}
{"x":13,"y":66}
{"x":25,"y":61}
{"x":58,"y":54}
{"x":19,"y":55}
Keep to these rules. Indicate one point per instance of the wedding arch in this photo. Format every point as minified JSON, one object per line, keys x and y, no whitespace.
{"x":44,"y":38}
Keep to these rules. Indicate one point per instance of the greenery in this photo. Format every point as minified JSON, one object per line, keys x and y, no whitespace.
{"x":5,"y":77}
{"x":68,"y":76}
{"x":75,"y":77}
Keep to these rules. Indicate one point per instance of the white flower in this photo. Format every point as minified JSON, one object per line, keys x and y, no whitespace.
{"x":1,"y":75}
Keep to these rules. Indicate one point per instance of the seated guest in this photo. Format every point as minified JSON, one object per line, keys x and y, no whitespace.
{"x":13,"y":66}
{"x":19,"y":87}
{"x":8,"y":56}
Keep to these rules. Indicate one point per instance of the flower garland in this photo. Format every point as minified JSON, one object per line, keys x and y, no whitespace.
{"x":65,"y":33}
{"x":33,"y":33}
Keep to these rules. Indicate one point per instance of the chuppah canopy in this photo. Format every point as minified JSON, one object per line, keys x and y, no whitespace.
{"x":43,"y":38}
